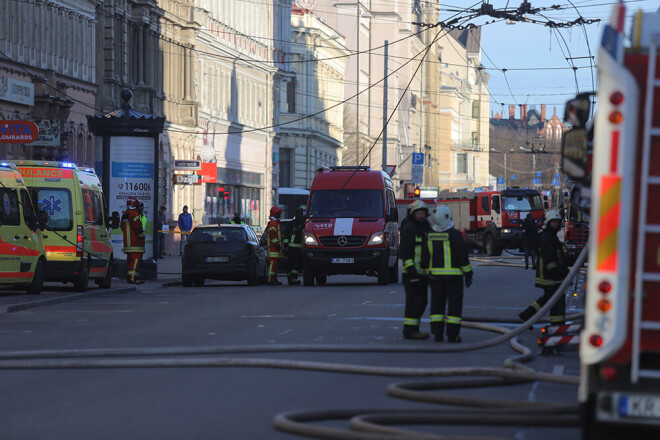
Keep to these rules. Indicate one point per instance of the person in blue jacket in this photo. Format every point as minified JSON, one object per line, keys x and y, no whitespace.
{"x":185,"y":225}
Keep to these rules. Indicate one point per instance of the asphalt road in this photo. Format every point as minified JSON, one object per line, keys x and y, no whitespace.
{"x":241,"y":402}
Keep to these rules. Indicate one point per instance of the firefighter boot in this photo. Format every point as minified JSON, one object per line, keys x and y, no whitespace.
{"x":412,"y":332}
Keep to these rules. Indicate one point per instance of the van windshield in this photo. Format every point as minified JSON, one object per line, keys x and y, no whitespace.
{"x":57,"y":203}
{"x":522,"y":203}
{"x":347,"y":203}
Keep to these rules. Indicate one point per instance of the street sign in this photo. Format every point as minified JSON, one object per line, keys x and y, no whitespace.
{"x":556,"y":182}
{"x":390,"y":170}
{"x":557,"y":176}
{"x":536,"y":181}
{"x":539,"y":173}
{"x":500,"y":180}
{"x":187,"y":165}
{"x":513,"y":177}
{"x":417,"y":174}
{"x":418,"y":158}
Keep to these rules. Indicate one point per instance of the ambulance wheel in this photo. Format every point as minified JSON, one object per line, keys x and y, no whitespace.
{"x":492,"y":249}
{"x":186,"y":280}
{"x":106,"y":281}
{"x":384,"y":275}
{"x":321,"y":279}
{"x":394,"y":273}
{"x":37,"y":284}
{"x":308,"y":275}
{"x":80,"y":284}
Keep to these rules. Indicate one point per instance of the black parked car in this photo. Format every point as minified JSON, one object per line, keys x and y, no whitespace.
{"x":223,"y":252}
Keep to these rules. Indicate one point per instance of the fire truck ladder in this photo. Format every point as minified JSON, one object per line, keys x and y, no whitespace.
{"x":643,"y":227}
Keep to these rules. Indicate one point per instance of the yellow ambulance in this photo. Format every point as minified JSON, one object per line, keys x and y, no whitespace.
{"x":77,"y":242}
{"x":22,"y":256}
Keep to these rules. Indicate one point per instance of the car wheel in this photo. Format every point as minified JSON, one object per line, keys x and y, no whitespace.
{"x":80,"y":284}
{"x":37,"y":284}
{"x":198,"y":282}
{"x":106,"y":281}
{"x":186,"y":280}
{"x":321,"y":279}
{"x":253,"y":276}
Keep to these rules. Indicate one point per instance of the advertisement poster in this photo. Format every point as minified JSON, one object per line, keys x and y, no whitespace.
{"x":131,"y":174}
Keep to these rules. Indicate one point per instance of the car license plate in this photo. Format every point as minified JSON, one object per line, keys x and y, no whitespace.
{"x":639,"y":406}
{"x":342,"y":260}
{"x":217,"y":259}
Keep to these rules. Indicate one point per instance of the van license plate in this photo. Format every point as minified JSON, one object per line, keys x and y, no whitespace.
{"x":342,"y":260}
{"x":217,"y":259}
{"x":640,"y":406}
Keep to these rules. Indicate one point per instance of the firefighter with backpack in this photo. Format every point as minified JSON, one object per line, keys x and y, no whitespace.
{"x":295,"y":231}
{"x":274,"y":244}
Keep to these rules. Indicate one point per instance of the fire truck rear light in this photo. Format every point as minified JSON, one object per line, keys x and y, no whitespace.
{"x":608,"y":372}
{"x":616,"y":98}
{"x":604,"y":287}
{"x":596,"y":340}
{"x":604,"y":305}
{"x":616,"y":117}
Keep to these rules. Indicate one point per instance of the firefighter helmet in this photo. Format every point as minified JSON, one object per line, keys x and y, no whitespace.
{"x":275,"y":211}
{"x":416,"y":206}
{"x":441,"y":218}
{"x":553,"y":214}
{"x":132,"y":202}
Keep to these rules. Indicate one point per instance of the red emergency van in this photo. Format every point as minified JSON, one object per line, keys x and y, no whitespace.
{"x":352,"y":226}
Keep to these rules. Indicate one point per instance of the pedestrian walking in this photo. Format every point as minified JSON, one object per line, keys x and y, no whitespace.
{"x":531,"y":232}
{"x":550,"y":271}
{"x":295,"y":231}
{"x":161,"y":219}
{"x":446,"y":255}
{"x":133,"y":232}
{"x":274,"y":245}
{"x":415,"y":279}
{"x":236,"y":220}
{"x":185,"y":225}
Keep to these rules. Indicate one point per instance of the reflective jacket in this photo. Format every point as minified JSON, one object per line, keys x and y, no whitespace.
{"x":274,"y":239}
{"x":551,"y":268}
{"x":131,"y":226}
{"x":446,"y":254}
{"x":295,"y":232}
{"x":413,"y":238}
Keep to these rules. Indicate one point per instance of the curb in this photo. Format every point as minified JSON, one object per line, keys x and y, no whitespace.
{"x":67,"y":298}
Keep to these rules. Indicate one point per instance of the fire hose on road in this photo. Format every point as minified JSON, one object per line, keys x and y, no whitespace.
{"x":365,"y":423}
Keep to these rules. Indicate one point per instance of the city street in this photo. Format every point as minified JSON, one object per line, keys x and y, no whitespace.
{"x":241,"y":402}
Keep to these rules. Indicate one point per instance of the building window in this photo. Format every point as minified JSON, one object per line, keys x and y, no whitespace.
{"x":461,"y":163}
{"x":285,"y":168}
{"x":475,"y":139}
{"x":291,"y":96}
{"x":475,"y":109}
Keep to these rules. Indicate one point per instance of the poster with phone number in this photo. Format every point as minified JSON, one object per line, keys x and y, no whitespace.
{"x":132,"y":174}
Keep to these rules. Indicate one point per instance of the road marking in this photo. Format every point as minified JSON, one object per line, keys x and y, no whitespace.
{"x":366,"y":302}
{"x":286,"y":331}
{"x":268,"y":316}
{"x":393,"y":291}
{"x":330,"y":316}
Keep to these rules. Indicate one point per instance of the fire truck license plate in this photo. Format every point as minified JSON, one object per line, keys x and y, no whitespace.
{"x":342,"y":260}
{"x":639,"y":406}
{"x":217,"y":259}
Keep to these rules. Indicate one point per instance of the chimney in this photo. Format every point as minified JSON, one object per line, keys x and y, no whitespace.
{"x":512,"y":111}
{"x":524,"y":113}
{"x":542,"y":112}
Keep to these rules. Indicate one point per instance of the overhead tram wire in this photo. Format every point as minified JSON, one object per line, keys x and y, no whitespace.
{"x":586,"y":39}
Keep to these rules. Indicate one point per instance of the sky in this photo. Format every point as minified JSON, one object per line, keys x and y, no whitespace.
{"x":543,"y":50}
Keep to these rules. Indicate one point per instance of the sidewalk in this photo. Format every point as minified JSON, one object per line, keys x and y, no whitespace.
{"x":169,"y":274}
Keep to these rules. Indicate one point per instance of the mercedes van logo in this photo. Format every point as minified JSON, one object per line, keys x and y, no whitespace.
{"x":342,"y":241}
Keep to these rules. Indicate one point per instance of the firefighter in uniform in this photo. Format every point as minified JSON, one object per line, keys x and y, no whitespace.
{"x":236,"y":220}
{"x":446,"y":256}
{"x":551,"y":270}
{"x":294,"y":251}
{"x":131,"y":226}
{"x":415,"y":280}
{"x":274,"y":244}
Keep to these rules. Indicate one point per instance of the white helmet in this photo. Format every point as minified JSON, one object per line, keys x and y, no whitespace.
{"x":416,"y":206}
{"x":553,"y":214}
{"x":441,"y":218}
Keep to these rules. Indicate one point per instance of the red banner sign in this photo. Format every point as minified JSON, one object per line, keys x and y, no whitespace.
{"x":18,"y":132}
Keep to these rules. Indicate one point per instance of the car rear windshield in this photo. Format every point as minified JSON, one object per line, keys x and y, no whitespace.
{"x":218,"y":235}
{"x":351,"y":203}
{"x":57,"y":203}
{"x":522,"y":203}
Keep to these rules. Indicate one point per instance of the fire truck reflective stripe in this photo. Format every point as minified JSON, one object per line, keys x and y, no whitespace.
{"x":437,"y":318}
{"x":559,"y":340}
{"x":562,"y":329}
{"x":54,"y":249}
{"x":410,"y":321}
{"x":608,"y":223}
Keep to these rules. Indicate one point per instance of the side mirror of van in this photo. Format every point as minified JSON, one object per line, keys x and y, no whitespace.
{"x":112,"y":222}
{"x":393,"y":215}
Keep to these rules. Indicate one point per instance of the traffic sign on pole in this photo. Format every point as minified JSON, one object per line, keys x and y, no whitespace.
{"x":418,"y":158}
{"x":417,"y":174}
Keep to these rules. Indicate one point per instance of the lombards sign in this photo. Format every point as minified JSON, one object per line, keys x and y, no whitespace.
{"x":18,"y":132}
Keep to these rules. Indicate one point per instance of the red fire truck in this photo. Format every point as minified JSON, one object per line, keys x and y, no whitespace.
{"x":490,"y":220}
{"x":620,"y":344}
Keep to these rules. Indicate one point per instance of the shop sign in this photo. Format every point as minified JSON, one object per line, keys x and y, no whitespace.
{"x":187,"y":165}
{"x":13,"y":90}
{"x":187,"y":179}
{"x":49,"y":133}
{"x":18,"y":132}
{"x":209,"y":173}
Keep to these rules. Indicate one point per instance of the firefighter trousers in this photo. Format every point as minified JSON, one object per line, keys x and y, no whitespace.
{"x":273,"y":264}
{"x":294,"y":263}
{"x":557,"y":312}
{"x":446,"y":294}
{"x":133,"y":260}
{"x":416,"y":302}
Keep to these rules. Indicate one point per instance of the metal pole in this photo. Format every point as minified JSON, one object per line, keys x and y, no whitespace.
{"x":385,"y":109}
{"x":357,"y":122}
{"x":506,"y":183}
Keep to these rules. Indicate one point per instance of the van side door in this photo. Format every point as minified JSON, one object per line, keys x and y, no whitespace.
{"x":11,"y":232}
